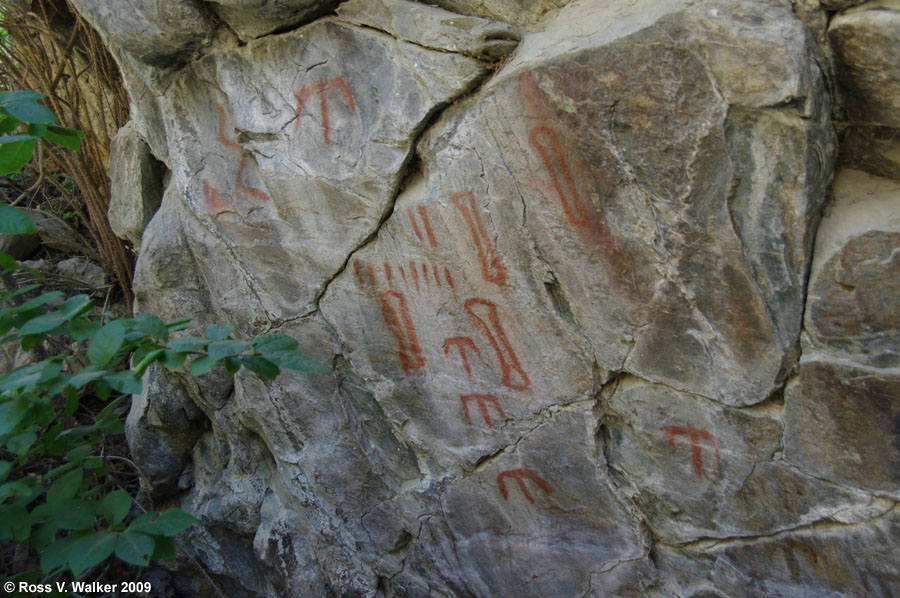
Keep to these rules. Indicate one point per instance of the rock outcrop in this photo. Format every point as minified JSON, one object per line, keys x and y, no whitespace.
{"x":588,"y":335}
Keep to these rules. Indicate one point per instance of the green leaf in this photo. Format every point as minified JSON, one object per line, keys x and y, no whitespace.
{"x":135,"y":548}
{"x":74,"y":514}
{"x":44,"y":323}
{"x":173,"y":359}
{"x":125,"y":382}
{"x":232,"y":365}
{"x":13,"y":221}
{"x":203,"y":365}
{"x":26,"y":95}
{"x":106,"y":343}
{"x":11,"y":413}
{"x":29,"y":111}
{"x":37,"y":302}
{"x":173,"y":521}
{"x":43,"y":534}
{"x":15,"y":524}
{"x":8,"y":123}
{"x":65,"y":487}
{"x":82,"y":329}
{"x":115,"y":506}
{"x":68,"y":138}
{"x":151,"y":326}
{"x":219,"y":332}
{"x":85,"y":376}
{"x":274,"y":342}
{"x":90,"y":550}
{"x":57,"y":554}
{"x":113,"y":428}
{"x":78,"y":454}
{"x":187,"y":343}
{"x":5,"y":467}
{"x":18,"y":137}
{"x":220,"y":349}
{"x":76,"y":305}
{"x":20,"y":443}
{"x":147,"y":359}
{"x":179,"y":324}
{"x":292,"y":360}
{"x":37,"y":129}
{"x":13,"y":156}
{"x":164,"y":549}
{"x":260,"y":366}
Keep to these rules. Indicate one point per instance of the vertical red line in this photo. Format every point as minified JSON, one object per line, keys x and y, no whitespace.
{"x":425,"y":274}
{"x":358,"y":269}
{"x":415,"y":273}
{"x":412,"y":220}
{"x":389,"y":274}
{"x":437,"y":277}
{"x":424,"y":213}
{"x":371,"y":271}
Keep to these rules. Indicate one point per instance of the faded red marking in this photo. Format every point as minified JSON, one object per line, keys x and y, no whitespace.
{"x":239,"y":178}
{"x":427,"y":224}
{"x":449,"y":279}
{"x":492,"y":268}
{"x":425,"y":275}
{"x":403,"y":275}
{"x":399,"y":321}
{"x":212,"y":199}
{"x":358,"y":270}
{"x":371,"y":270}
{"x":389,"y":275}
{"x":519,"y":476}
{"x":320,"y":87}
{"x":461,"y":343}
{"x":415,"y":273}
{"x":412,"y":220}
{"x":437,"y":277}
{"x":482,"y":401}
{"x":695,"y":435}
{"x":572,"y":206}
{"x":509,"y":362}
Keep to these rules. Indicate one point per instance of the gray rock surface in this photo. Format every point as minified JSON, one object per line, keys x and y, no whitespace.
{"x":557,"y":262}
{"x":136,"y":184}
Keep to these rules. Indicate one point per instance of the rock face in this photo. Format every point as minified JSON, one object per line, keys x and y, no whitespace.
{"x":560,"y":275}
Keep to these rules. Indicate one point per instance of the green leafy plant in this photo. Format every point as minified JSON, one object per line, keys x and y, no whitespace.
{"x":57,"y":492}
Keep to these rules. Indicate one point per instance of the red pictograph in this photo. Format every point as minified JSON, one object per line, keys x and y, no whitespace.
{"x":482,"y":401}
{"x":492,"y":268}
{"x":239,"y":179}
{"x":695,"y":435}
{"x":426,"y":225}
{"x":496,"y":336}
{"x":399,"y":321}
{"x":547,"y":143}
{"x":212,"y":199}
{"x":519,"y":476}
{"x":320,"y":87}
{"x":389,"y":274}
{"x":462,"y":343}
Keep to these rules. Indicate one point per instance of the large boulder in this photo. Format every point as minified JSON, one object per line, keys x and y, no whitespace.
{"x":560,"y":275}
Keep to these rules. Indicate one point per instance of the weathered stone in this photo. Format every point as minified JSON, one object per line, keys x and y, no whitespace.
{"x":826,"y":560}
{"x":82,"y":272}
{"x":254,"y":18}
{"x":527,"y":521}
{"x":866,"y":42}
{"x":301,"y":165}
{"x":163,"y":426}
{"x":875,"y":150}
{"x":517,"y":12}
{"x":852,"y":307}
{"x":438,"y":29}
{"x":702,"y":470}
{"x":560,"y":294}
{"x":156,"y":32}
{"x":135,"y":184}
{"x":20,"y":247}
{"x":841,"y":424}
